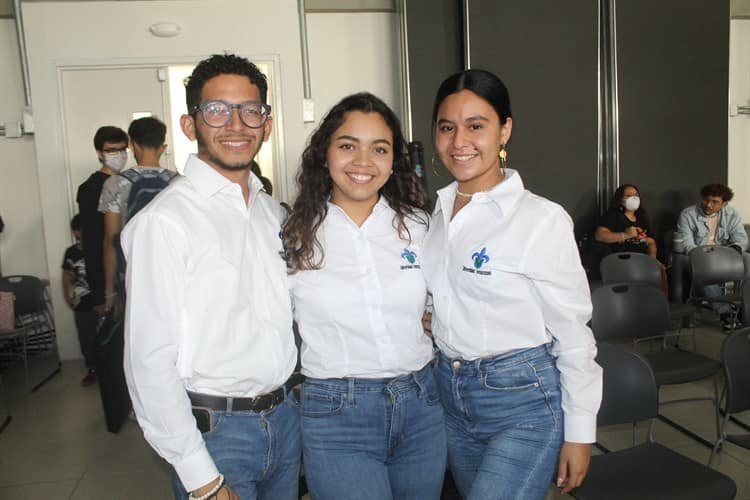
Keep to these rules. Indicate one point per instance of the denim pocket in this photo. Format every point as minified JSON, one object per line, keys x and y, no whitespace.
{"x":428,"y":389}
{"x":521,"y":377}
{"x":318,"y":402}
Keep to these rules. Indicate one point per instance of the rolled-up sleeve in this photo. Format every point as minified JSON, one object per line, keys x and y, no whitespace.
{"x":155,"y":249}
{"x":554,"y":266}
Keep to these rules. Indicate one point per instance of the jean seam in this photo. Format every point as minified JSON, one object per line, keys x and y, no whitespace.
{"x":545,"y":393}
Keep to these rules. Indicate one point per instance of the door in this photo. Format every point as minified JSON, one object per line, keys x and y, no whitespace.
{"x":98,"y":96}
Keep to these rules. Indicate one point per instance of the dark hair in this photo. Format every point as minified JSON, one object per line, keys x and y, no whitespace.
{"x":403,"y":191}
{"x":615,"y":203}
{"x":148,"y":132}
{"x":222,"y":64}
{"x":722,"y":191}
{"x":483,"y":83}
{"x":108,"y":133}
{"x":75,"y":223}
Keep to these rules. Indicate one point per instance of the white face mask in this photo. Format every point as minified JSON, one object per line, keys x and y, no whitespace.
{"x":632,"y":203}
{"x":116,"y":160}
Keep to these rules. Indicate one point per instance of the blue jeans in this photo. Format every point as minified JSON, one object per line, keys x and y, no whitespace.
{"x":504,"y":423}
{"x":373,"y":438}
{"x":258,"y":453}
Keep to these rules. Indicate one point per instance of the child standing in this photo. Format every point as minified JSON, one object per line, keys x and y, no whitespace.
{"x":78,"y":296}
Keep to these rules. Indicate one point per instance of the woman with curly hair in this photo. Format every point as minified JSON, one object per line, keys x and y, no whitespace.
{"x":372,"y":423}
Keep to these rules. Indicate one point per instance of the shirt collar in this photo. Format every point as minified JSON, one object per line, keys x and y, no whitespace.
{"x":208,"y":181}
{"x":505,"y":195}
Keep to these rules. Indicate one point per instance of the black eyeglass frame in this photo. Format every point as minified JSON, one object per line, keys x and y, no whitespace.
{"x":265,"y":112}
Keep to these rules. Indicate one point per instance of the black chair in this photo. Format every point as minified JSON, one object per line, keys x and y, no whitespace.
{"x":34,"y":337}
{"x":717,"y":265}
{"x":640,"y":313}
{"x":735,"y":356}
{"x":648,"y":470}
{"x":630,"y":267}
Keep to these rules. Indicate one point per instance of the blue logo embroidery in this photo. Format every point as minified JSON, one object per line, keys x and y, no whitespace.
{"x":409,"y":256}
{"x":480,"y":258}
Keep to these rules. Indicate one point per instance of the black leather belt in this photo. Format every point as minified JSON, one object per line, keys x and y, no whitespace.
{"x":257,"y":404}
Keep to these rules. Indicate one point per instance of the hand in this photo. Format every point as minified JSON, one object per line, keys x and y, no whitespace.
{"x":427,"y":323}
{"x":100,"y":310}
{"x":226,"y":493}
{"x":631,"y":232}
{"x":574,"y":464}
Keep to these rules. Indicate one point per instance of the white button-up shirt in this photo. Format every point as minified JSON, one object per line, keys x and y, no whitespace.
{"x":505,"y":274}
{"x":360,"y":314}
{"x":208,"y":308}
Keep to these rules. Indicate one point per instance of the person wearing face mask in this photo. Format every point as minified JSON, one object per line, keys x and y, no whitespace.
{"x":111,"y":145}
{"x":625,"y":226}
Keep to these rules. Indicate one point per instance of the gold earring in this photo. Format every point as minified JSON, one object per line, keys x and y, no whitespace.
{"x":503,"y":155}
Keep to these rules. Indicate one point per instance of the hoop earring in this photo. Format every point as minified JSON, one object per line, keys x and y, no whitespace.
{"x":503,"y":155}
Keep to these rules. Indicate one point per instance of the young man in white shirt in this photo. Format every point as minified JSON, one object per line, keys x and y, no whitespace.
{"x":208,"y":334}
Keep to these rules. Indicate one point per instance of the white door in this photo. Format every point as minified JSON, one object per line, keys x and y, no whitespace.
{"x":93,"y":97}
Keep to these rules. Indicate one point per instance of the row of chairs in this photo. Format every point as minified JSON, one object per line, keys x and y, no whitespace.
{"x":632,"y":307}
{"x":650,"y":471}
{"x":33,"y":340}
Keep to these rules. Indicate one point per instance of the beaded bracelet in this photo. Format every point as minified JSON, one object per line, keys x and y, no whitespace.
{"x":211,"y":493}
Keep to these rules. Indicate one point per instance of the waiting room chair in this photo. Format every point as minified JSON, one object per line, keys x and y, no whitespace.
{"x":720,"y":266}
{"x":735,"y":356}
{"x":631,"y":267}
{"x":649,"y":470}
{"x":639,"y":313}
{"x":34,"y":336}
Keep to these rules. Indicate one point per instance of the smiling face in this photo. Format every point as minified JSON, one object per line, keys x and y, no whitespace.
{"x":468,"y":139}
{"x":360,"y":160}
{"x":233,"y":146}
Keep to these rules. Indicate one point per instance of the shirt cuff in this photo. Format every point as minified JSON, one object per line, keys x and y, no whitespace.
{"x":196,"y":470}
{"x":580,"y":428}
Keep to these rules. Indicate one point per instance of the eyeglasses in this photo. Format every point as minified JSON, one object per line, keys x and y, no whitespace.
{"x":218,"y":113}
{"x":115,"y":150}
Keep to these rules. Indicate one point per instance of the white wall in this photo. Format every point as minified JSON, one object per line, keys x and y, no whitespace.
{"x":22,"y":248}
{"x":349,"y":52}
{"x":739,"y":125}
{"x":352,"y":52}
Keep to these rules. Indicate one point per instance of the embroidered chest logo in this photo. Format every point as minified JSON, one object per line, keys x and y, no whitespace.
{"x":478,"y":260}
{"x":410,"y":257}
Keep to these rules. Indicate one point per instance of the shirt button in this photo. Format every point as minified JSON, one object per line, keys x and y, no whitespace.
{"x":456,"y":364}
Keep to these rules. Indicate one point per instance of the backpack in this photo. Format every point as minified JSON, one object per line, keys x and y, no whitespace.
{"x":143,"y":189}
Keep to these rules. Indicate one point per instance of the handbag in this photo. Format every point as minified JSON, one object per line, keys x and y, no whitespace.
{"x":7,"y":311}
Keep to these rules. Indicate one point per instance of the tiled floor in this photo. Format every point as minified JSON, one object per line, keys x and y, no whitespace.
{"x":56,"y":445}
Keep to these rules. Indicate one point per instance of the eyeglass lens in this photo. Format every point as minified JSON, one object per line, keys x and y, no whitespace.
{"x":219,"y":113}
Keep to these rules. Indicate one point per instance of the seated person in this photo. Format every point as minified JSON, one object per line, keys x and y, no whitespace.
{"x":711,"y":222}
{"x":625,"y":226}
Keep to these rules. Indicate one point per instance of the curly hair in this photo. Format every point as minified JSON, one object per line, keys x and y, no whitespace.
{"x":721,"y":190}
{"x":403,"y":191}
{"x":222,"y":64}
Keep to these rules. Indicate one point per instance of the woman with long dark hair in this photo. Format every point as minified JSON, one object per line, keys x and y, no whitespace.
{"x":625,"y":226}
{"x":372,"y":423}
{"x":516,"y":368}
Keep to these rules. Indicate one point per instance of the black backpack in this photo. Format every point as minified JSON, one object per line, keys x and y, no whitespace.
{"x":143,"y":189}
